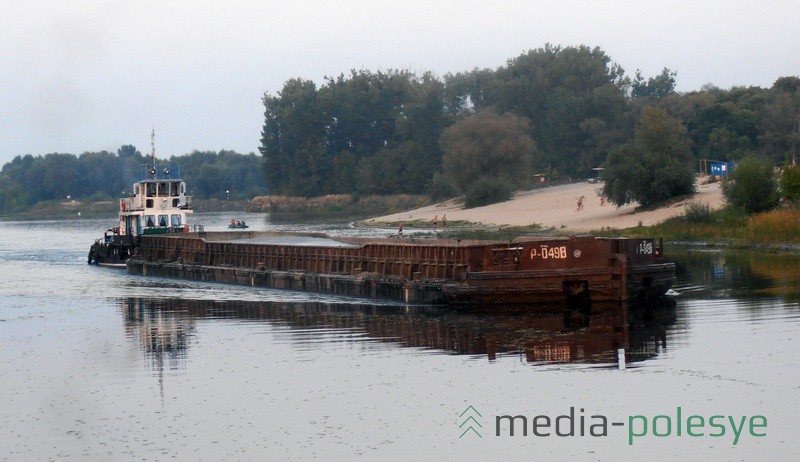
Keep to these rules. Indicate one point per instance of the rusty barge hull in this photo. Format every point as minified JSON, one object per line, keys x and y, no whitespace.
{"x":529,"y":270}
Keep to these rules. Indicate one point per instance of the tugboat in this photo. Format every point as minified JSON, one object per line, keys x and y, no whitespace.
{"x":159,"y":205}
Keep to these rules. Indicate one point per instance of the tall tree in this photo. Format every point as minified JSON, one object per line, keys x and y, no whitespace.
{"x":345,"y":123}
{"x":574,"y":96}
{"x":652,"y":169}
{"x":781,"y":124}
{"x":294,"y":128}
{"x":488,"y":144}
{"x":724,"y":131}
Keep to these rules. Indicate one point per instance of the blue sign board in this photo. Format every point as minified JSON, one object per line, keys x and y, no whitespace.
{"x":721,"y":168}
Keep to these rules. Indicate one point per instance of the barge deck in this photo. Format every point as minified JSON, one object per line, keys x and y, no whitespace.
{"x":526,"y":270}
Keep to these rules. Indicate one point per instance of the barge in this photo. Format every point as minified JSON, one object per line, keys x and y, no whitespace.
{"x":523,"y":271}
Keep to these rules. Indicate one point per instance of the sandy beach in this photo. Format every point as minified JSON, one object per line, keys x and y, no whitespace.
{"x":557,"y":207}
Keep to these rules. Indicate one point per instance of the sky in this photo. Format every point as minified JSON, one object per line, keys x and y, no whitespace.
{"x":80,"y":76}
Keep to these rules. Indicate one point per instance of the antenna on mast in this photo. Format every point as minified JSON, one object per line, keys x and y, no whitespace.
{"x":153,"y":152}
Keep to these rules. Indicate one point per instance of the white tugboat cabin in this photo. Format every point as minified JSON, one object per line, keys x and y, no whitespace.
{"x":159,"y":204}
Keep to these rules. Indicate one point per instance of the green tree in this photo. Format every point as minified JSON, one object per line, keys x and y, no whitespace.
{"x":440,"y":188}
{"x":724,"y":131}
{"x":752,"y":186}
{"x":787,"y":84}
{"x":574,"y":96}
{"x":780,"y":135}
{"x":382,"y":173}
{"x":790,"y":183}
{"x":341,"y":177}
{"x":29,"y":179}
{"x":294,"y":128}
{"x":658,"y":86}
{"x":213,"y":174}
{"x":312,"y":138}
{"x":128,"y":150}
{"x":102,"y":174}
{"x":488,"y":145}
{"x":654,"y":168}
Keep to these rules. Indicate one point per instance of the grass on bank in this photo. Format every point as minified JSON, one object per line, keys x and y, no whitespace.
{"x":467,"y":230}
{"x":699,"y":224}
{"x":781,"y":225}
{"x":724,"y":225}
{"x":502,"y":233}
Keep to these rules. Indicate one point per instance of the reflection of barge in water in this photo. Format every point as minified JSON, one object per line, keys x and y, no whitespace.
{"x":552,"y":336}
{"x":526,"y":270}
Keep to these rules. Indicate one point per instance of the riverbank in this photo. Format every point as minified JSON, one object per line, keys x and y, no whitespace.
{"x":332,"y":207}
{"x":701,"y":219}
{"x":555,"y":208}
{"x":549,"y":211}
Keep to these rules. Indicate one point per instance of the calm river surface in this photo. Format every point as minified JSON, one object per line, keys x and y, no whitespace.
{"x":100,"y":365}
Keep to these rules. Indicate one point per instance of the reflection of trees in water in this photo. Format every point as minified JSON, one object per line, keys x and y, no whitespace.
{"x":550,"y":334}
{"x":783,"y":271}
{"x":744,"y":274}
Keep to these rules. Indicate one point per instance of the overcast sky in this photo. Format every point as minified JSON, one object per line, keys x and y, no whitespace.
{"x":82,"y":76}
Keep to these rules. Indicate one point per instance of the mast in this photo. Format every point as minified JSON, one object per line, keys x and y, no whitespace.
{"x":153,"y":152}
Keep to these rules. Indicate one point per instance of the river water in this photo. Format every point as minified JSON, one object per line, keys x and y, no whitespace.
{"x":97,"y":364}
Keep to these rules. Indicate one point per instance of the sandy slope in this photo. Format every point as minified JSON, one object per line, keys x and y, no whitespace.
{"x":556,"y":207}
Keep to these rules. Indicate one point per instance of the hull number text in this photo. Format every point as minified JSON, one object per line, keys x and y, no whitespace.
{"x":545,"y":252}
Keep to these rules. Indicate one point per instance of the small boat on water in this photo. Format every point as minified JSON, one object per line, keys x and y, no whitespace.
{"x":158,"y":205}
{"x":238,"y":224}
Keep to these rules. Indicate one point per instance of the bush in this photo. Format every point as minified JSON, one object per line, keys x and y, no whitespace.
{"x":751,"y":187}
{"x":731,"y":217}
{"x":698,"y":213}
{"x":440,"y":188}
{"x":487,"y":191}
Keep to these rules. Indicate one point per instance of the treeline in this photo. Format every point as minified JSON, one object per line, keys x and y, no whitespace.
{"x":552,"y":112}
{"x":103,"y":175}
{"x":556,"y":113}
